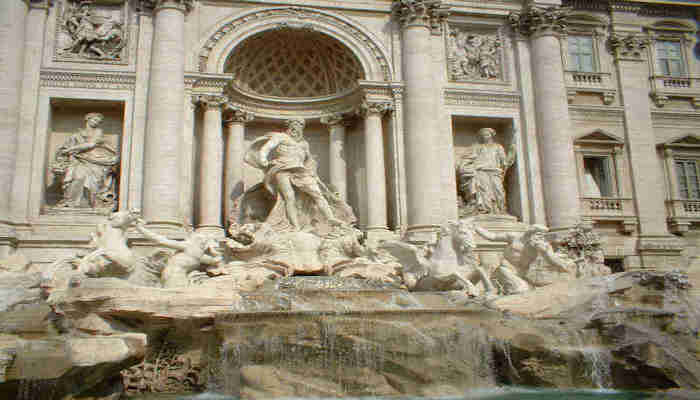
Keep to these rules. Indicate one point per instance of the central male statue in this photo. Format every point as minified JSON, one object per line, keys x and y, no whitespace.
{"x":302,"y":200}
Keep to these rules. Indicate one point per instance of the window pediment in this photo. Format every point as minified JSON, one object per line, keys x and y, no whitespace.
{"x":684,"y":141}
{"x":599,"y":137}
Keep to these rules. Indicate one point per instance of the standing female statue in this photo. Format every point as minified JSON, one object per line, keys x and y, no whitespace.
{"x":87,"y":166}
{"x":481,"y":172}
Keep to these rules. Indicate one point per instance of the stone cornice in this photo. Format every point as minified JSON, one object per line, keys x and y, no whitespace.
{"x":649,"y":8}
{"x":427,"y":13}
{"x":534,"y":20}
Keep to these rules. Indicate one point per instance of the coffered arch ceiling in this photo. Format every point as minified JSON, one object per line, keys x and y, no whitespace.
{"x":294,"y":63}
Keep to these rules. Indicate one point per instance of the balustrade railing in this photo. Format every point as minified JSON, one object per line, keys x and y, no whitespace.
{"x":599,"y":80}
{"x":683,"y":208}
{"x":606,"y":206}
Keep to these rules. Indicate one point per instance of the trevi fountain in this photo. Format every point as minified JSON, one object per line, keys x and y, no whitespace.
{"x":256,"y":256}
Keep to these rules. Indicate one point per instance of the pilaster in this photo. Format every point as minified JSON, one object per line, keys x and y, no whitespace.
{"x":657,"y":248}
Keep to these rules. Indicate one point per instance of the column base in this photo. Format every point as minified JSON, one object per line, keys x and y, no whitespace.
{"x":212,"y":230}
{"x":660,"y":252}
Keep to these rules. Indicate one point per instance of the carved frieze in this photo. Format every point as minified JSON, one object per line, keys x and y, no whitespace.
{"x":88,"y":31}
{"x":535,"y":19}
{"x":429,"y":13}
{"x":481,"y":99}
{"x":474,"y":56}
{"x":88,"y":80}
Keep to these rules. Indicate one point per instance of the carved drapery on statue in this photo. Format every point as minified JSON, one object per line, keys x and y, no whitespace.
{"x":87,"y":168}
{"x":481,"y":173}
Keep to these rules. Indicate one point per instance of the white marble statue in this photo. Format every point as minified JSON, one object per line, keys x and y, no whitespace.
{"x":109,"y":256}
{"x":481,"y":173}
{"x":194,"y":253}
{"x":87,"y":166}
{"x":528,"y":260}
{"x":302,"y":200}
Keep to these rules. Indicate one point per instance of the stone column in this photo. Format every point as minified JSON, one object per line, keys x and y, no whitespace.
{"x":420,"y":124}
{"x":235,"y":120}
{"x":166,"y":96}
{"x":656,"y":247}
{"x":375,"y":169}
{"x":211,"y":166}
{"x":337,"y":160}
{"x":13,"y":17}
{"x":544,"y":26}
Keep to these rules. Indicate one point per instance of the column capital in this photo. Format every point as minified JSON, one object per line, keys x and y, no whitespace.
{"x":369,"y":107}
{"x":156,"y":5}
{"x":236,"y":114}
{"x":533,"y":20}
{"x":628,"y":47}
{"x":426,"y":13}
{"x":336,"y":119}
{"x":209,"y":101}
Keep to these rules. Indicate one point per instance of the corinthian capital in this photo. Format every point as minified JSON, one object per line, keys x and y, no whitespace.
{"x":236,"y":114}
{"x":182,"y":5}
{"x":209,"y":100}
{"x":336,"y":119}
{"x":374,"y":107}
{"x":533,"y":19}
{"x":628,"y":47}
{"x":428,"y":13}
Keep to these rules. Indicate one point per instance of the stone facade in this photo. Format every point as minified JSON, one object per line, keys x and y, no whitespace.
{"x":598,"y":99}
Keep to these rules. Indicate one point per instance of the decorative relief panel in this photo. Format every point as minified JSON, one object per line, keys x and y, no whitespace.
{"x":474,"y":56}
{"x":88,"y":31}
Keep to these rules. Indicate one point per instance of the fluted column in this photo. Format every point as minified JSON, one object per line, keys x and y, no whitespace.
{"x":211,"y":166}
{"x":166,"y":96}
{"x":375,"y":171}
{"x":12,"y":33}
{"x":544,"y":26}
{"x":420,"y":125}
{"x":234,"y":120}
{"x":336,"y":152}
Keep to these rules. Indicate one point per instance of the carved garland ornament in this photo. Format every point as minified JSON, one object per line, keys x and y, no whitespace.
{"x":374,"y":107}
{"x":294,"y":12}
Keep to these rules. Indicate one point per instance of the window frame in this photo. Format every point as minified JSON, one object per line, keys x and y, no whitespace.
{"x":679,"y":191}
{"x":595,"y":59}
{"x":608,"y":168}
{"x":670,"y":31}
